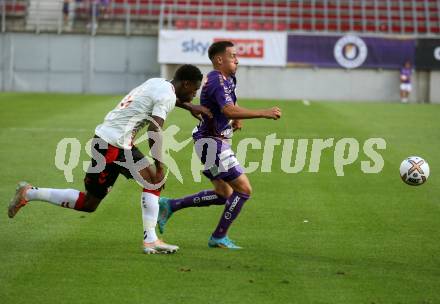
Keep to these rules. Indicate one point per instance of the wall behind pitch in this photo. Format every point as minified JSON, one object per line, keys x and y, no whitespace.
{"x":76,"y":63}
{"x":323,"y":84}
{"x":116,"y":64}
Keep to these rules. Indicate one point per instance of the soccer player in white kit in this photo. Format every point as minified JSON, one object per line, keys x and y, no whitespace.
{"x":149,"y":104}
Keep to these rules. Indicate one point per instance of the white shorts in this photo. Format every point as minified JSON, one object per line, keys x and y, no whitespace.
{"x":405,"y":87}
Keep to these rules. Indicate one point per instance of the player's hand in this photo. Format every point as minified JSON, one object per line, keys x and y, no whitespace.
{"x":197,"y":110}
{"x":236,"y":125}
{"x":272,"y":113}
{"x":198,"y":117}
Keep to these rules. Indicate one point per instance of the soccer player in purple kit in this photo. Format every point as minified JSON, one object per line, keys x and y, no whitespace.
{"x":212,"y":144}
{"x":405,"y":82}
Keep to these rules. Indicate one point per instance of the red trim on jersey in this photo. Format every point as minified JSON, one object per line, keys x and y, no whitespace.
{"x":79,"y":204}
{"x":154,"y":192}
{"x":112,"y":154}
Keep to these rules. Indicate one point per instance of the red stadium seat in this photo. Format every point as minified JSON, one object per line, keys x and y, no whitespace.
{"x":268,"y":26}
{"x":383,"y":28}
{"x":332,"y":27}
{"x":396,"y":29}
{"x":243,"y":25}
{"x":357,"y":27}
{"x":180,"y":24}
{"x":307,"y":27}
{"x":206,"y":24}
{"x":217,"y":25}
{"x":421,"y":16}
{"x":294,"y":26}
{"x":409,"y":29}
{"x":281,"y":26}
{"x":319,"y":27}
{"x":192,"y":24}
{"x":255,"y":26}
{"x":230,"y":26}
{"x":422,"y":29}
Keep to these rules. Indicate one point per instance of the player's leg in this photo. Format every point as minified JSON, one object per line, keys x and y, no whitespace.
{"x":408,"y":91}
{"x":150,"y":209}
{"x":405,"y":88}
{"x":206,"y":197}
{"x":203,"y":198}
{"x":67,"y":198}
{"x":97,"y":185}
{"x":402,"y":92}
{"x":242,"y":192}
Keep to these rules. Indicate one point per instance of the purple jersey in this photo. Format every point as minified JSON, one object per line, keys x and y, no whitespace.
{"x":217,"y":92}
{"x":405,"y":75}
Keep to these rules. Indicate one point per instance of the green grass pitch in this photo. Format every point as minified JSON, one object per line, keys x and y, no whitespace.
{"x":308,"y":237}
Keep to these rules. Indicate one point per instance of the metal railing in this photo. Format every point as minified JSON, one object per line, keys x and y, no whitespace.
{"x":11,"y":10}
{"x":384,"y":17}
{"x":332,"y":16}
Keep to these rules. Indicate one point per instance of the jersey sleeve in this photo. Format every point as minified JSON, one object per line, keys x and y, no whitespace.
{"x":222,"y":95}
{"x":164,"y":106}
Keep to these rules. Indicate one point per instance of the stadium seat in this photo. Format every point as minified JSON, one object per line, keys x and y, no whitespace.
{"x":192,"y":24}
{"x":281,"y":26}
{"x":217,"y":25}
{"x":396,"y":16}
{"x":230,"y":26}
{"x":255,"y":26}
{"x":243,"y":25}
{"x":16,"y":8}
{"x":206,"y":24}
{"x":268,"y":26}
{"x":180,"y":24}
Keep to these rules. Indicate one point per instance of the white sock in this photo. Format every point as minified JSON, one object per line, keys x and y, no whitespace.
{"x":61,"y":197}
{"x":150,"y":212}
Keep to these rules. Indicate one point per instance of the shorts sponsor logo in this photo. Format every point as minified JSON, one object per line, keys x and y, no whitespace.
{"x":247,"y":48}
{"x":350,"y":51}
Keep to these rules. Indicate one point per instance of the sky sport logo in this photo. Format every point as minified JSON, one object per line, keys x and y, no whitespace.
{"x":247,"y":48}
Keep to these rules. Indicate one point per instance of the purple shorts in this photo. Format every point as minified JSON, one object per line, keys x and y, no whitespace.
{"x":218,"y":158}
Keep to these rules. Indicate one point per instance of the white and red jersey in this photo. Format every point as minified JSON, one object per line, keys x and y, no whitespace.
{"x":155,"y":97}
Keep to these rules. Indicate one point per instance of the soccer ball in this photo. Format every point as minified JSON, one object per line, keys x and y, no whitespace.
{"x":414,"y":171}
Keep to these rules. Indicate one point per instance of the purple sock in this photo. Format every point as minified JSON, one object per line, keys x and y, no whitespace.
{"x":204,"y":198}
{"x":232,"y":209}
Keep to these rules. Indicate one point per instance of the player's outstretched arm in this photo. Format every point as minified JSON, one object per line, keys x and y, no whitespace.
{"x":235,"y":112}
{"x":196,"y":110}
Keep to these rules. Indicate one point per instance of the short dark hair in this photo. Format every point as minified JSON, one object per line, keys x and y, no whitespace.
{"x":218,"y":47}
{"x":188,"y":72}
